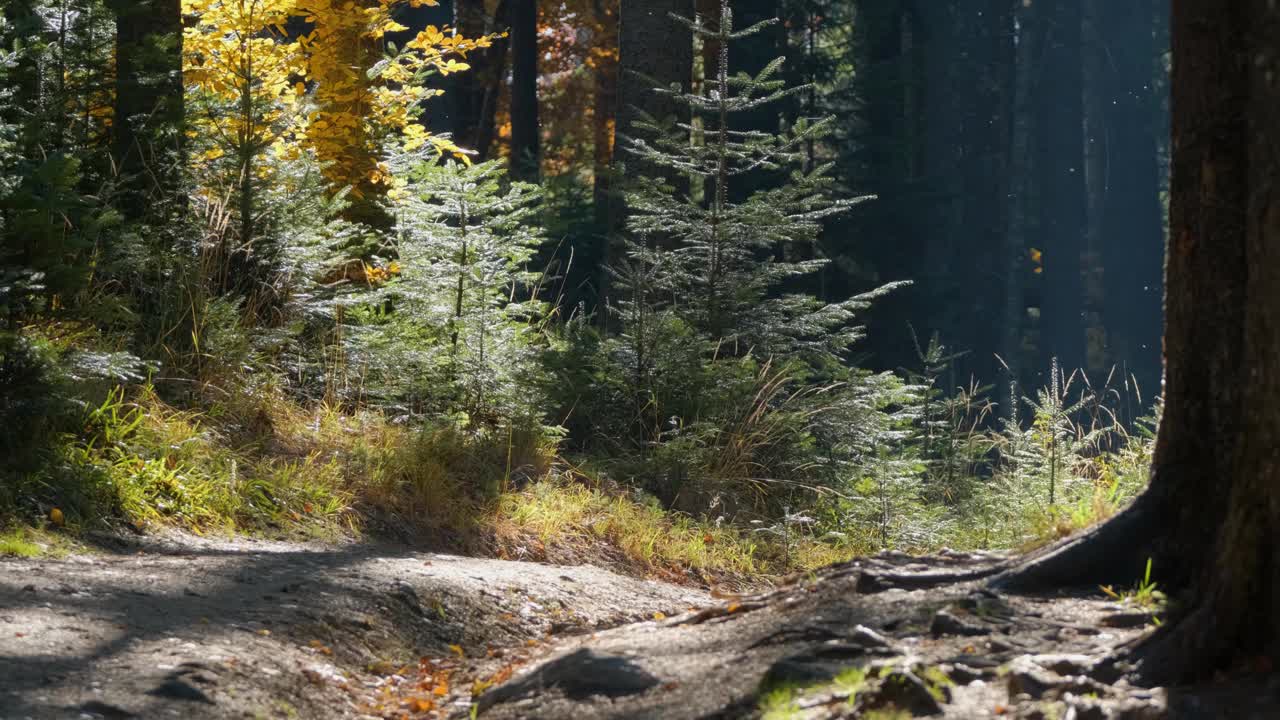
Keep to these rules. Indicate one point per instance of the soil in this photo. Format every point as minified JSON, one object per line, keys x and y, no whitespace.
{"x":179,"y":626}
{"x":185,"y":627}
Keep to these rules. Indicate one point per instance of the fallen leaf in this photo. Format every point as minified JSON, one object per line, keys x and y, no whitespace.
{"x":457,"y":650}
{"x":733,"y":607}
{"x":421,"y":705}
{"x":659,"y":616}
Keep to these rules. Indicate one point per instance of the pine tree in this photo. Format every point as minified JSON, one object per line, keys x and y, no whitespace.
{"x":467,"y":236}
{"x":727,"y":263}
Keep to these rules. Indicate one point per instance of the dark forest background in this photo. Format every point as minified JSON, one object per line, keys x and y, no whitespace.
{"x":1019,"y":152}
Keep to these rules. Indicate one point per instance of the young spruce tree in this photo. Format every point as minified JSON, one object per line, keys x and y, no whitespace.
{"x":722,"y":261}
{"x":732,"y":377}
{"x":467,"y":236}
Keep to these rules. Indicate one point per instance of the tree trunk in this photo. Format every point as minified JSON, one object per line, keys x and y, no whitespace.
{"x":605,"y":104}
{"x":651,"y":48}
{"x":604,"y":124}
{"x":526,"y":153}
{"x":984,"y":147}
{"x":1096,"y":150}
{"x":149,"y":103}
{"x":1019,"y":170}
{"x":1210,"y":521}
{"x":344,"y":94}
{"x":1061,"y":173}
{"x":475,"y":92}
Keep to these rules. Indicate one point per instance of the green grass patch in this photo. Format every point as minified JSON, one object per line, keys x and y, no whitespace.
{"x":30,"y":542}
{"x":14,"y":543}
{"x":783,"y":702}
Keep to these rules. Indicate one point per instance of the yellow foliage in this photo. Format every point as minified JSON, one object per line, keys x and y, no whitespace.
{"x":243,"y":69}
{"x":366,"y":98}
{"x":238,"y":55}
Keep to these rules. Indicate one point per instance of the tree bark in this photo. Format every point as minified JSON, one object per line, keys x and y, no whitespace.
{"x":149,"y":103}
{"x":526,"y":152}
{"x":1210,"y":521}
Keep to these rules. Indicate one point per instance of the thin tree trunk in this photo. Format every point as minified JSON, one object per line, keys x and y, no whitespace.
{"x":149,"y":103}
{"x":1019,"y":200}
{"x":475,"y":92}
{"x":604,"y":124}
{"x":644,"y":26}
{"x":1097,"y":150}
{"x":526,"y":152}
{"x":1063,"y":206}
{"x":604,"y":110}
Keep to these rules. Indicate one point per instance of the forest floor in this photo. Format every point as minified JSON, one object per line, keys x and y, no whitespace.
{"x":178,"y":626}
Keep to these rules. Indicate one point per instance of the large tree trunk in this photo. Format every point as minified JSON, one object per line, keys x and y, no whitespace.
{"x":1062,"y":196}
{"x":149,"y":102}
{"x":1210,"y":521}
{"x":526,"y":152}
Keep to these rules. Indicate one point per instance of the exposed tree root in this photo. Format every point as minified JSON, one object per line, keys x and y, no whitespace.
{"x":871,"y":581}
{"x":1112,"y":553}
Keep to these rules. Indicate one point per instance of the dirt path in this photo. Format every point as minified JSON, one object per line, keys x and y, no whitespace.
{"x":879,"y":638}
{"x":198,"y":629}
{"x":191,"y":628}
